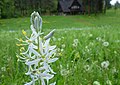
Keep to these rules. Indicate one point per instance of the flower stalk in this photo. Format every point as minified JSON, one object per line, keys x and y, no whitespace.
{"x":39,"y":53}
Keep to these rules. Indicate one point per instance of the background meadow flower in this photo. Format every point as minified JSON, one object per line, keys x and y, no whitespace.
{"x":105,"y":64}
{"x":96,"y":83}
{"x":106,"y":44}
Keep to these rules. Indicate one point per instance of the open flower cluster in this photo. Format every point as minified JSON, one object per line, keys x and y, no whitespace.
{"x":39,"y":54}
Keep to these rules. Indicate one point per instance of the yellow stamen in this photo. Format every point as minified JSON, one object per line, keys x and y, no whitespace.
{"x":22,"y":48}
{"x":24,"y":32}
{"x":20,"y":40}
{"x":29,"y":41}
{"x":19,"y":44}
{"x":17,"y":56}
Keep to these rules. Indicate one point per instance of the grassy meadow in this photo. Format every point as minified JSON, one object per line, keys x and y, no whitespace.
{"x":83,"y":44}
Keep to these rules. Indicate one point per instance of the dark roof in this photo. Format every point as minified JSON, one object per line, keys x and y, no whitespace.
{"x":65,"y":4}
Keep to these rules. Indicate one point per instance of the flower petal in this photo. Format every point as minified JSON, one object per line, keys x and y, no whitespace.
{"x":52,"y":60}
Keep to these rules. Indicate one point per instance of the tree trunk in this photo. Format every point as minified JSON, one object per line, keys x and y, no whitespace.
{"x":89,"y":7}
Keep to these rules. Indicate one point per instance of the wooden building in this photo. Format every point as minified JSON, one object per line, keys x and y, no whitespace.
{"x":70,"y":6}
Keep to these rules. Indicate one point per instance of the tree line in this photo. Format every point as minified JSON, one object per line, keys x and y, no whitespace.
{"x":17,"y":8}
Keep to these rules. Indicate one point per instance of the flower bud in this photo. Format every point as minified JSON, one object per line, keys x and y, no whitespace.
{"x":49,"y":35}
{"x":36,"y":21}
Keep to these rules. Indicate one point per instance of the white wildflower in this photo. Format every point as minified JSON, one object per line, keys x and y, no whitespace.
{"x":96,"y":83}
{"x":99,"y":39}
{"x":105,"y":64}
{"x":63,"y":45}
{"x":106,"y":44}
{"x":59,"y":39}
{"x":87,"y":67}
{"x":3,"y":69}
{"x":75,"y":42}
{"x":62,"y":50}
{"x":90,"y":35}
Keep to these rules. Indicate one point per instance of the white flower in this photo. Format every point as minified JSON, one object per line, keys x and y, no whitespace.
{"x":99,"y":38}
{"x":39,"y":55}
{"x":62,"y":50}
{"x":74,"y":44}
{"x":75,"y":41}
{"x":87,"y":68}
{"x":90,"y":35}
{"x":59,"y":39}
{"x":3,"y":69}
{"x":105,"y":64}
{"x":96,"y":83}
{"x":63,"y":45}
{"x":106,"y":44}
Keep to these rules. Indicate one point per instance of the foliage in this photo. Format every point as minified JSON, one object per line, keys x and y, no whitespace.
{"x":17,"y":8}
{"x":89,"y":54}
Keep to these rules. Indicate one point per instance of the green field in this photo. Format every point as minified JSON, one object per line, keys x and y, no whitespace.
{"x":81,"y":64}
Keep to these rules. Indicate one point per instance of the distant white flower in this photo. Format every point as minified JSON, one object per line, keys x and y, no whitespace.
{"x":96,"y":83}
{"x":58,"y":49}
{"x":115,"y":52}
{"x":3,"y":69}
{"x":98,"y":38}
{"x":74,"y":44}
{"x":63,"y":45}
{"x":106,"y":44}
{"x":75,"y":41}
{"x":90,"y":35}
{"x":59,"y":39}
{"x":105,"y":64}
{"x":87,"y":68}
{"x":62,"y":50}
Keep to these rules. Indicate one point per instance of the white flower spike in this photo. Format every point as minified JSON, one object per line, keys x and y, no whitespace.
{"x":39,"y":54}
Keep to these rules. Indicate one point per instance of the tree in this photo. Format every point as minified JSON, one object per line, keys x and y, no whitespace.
{"x":108,"y":5}
{"x":1,"y":7}
{"x":7,"y":9}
